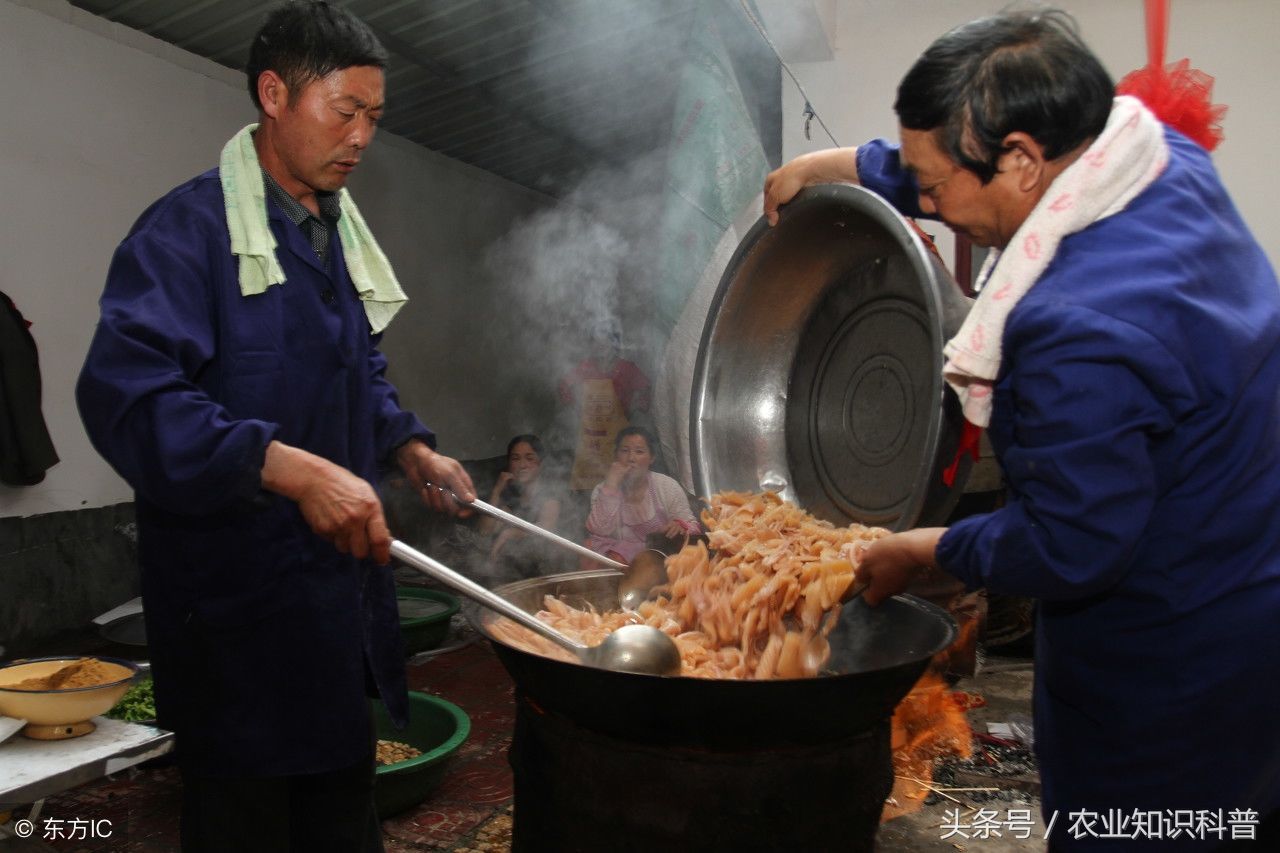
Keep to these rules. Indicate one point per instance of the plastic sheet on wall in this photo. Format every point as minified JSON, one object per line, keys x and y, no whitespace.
{"x":716,"y":164}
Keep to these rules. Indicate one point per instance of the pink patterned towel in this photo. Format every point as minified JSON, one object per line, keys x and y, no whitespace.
{"x":1129,"y":154}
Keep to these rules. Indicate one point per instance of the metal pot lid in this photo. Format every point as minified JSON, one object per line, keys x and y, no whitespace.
{"x":819,"y":373}
{"x":128,"y":630}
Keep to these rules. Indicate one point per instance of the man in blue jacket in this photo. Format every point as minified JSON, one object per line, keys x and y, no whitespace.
{"x":235,"y":382}
{"x":1124,"y":356}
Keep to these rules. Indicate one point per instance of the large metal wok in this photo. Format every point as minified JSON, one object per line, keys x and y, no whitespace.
{"x":877,"y":656}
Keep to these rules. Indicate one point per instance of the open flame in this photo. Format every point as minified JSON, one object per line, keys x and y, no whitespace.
{"x":928,"y":724}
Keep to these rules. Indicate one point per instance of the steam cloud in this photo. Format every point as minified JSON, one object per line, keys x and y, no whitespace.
{"x":579,"y":273}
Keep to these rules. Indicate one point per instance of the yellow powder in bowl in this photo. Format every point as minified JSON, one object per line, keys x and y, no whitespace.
{"x":85,"y":672}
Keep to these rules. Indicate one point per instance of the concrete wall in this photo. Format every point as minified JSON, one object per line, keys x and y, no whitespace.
{"x":875,"y":42}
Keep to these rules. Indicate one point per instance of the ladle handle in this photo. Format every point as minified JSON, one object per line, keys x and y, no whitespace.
{"x":479,"y":594}
{"x":854,"y":591}
{"x":517,"y":521}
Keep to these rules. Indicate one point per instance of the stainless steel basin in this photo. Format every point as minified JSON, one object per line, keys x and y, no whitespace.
{"x":819,"y":373}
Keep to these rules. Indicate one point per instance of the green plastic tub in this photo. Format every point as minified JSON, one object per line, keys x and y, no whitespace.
{"x":438,"y":728}
{"x":424,"y":617}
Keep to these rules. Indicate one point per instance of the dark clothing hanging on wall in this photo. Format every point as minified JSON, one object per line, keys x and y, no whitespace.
{"x":26,"y":451}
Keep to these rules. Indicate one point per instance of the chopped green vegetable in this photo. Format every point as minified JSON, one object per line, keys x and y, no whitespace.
{"x":137,"y":705}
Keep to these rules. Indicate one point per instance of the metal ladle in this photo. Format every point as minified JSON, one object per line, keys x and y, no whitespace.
{"x":517,"y":521}
{"x":631,"y":648}
{"x":645,"y":571}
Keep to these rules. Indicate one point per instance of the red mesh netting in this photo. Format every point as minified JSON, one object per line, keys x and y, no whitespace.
{"x":1179,"y":95}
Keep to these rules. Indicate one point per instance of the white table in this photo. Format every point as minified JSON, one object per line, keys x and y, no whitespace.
{"x":31,"y":770}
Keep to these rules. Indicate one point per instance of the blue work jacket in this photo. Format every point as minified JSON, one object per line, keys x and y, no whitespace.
{"x":1137,"y":419}
{"x":265,"y":640}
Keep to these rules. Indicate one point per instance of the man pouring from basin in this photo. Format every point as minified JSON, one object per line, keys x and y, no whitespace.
{"x":1124,"y":357}
{"x":235,"y":382}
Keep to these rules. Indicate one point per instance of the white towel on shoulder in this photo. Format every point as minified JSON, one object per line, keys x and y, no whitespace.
{"x":1126,"y":157}
{"x":245,"y":197}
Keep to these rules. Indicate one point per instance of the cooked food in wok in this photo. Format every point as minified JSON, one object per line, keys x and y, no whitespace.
{"x":758,"y":603}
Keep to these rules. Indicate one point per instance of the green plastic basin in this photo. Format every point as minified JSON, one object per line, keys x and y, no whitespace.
{"x":438,"y":728}
{"x":424,"y":617}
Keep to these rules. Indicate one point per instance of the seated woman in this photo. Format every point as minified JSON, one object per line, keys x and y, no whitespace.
{"x":633,"y":502}
{"x":521,"y":490}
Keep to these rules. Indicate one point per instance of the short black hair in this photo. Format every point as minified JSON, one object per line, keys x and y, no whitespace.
{"x":1025,"y":70}
{"x":532,"y":440}
{"x":306,"y":41}
{"x":648,"y":437}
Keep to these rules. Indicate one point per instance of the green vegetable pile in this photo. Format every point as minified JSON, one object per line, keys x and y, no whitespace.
{"x":137,"y":705}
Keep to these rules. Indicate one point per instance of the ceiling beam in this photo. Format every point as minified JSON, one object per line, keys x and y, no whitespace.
{"x":485,"y":92}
